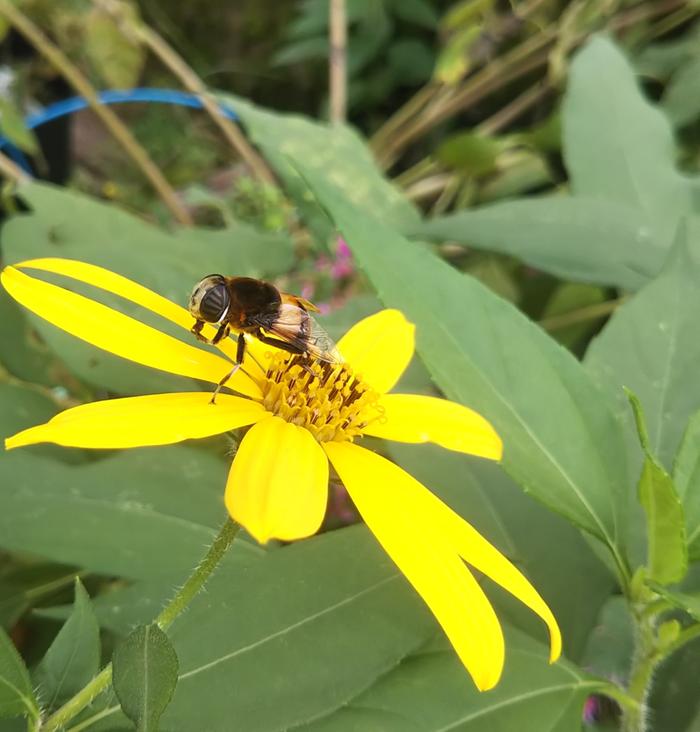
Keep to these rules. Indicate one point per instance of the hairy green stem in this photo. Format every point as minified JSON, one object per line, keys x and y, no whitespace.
{"x":645,"y":660}
{"x":183,"y":597}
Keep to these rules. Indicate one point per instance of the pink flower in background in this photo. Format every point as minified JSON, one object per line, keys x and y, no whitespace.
{"x":590,"y":710}
{"x":343,"y":265}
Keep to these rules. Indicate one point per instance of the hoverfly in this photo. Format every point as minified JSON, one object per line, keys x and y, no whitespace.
{"x":258,"y":308}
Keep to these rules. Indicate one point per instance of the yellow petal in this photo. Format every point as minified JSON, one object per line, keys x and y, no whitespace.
{"x":379,"y":348}
{"x":118,"y":333}
{"x":159,"y":419}
{"x":416,"y":418}
{"x":482,"y":555}
{"x":391,"y":503}
{"x":400,"y":489}
{"x":123,"y":287}
{"x":278,"y":484}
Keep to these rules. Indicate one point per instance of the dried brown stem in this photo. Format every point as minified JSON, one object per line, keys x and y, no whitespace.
{"x":496,"y":122}
{"x":10,"y":170}
{"x":193,"y":83}
{"x":337,"y":66}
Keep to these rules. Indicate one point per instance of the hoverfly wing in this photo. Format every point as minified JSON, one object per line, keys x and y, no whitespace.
{"x":295,"y":326}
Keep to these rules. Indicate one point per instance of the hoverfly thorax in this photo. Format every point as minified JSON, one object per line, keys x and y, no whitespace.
{"x":210,"y":299}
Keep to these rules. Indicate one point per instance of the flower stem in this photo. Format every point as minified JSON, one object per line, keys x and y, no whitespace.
{"x":170,"y":612}
{"x":201,"y":574}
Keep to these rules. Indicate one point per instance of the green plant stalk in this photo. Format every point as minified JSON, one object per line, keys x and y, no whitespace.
{"x":183,"y":597}
{"x":645,"y":660}
{"x":117,"y":128}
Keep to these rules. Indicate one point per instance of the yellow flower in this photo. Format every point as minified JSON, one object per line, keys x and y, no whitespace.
{"x":278,"y":483}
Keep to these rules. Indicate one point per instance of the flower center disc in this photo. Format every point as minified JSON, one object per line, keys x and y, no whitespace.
{"x":325,"y":398}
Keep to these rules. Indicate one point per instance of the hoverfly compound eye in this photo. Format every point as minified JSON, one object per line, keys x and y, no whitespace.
{"x":210,"y":299}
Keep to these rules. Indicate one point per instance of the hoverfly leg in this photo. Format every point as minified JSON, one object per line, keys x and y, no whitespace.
{"x":240,"y":353}
{"x":221,"y":333}
{"x":222,"y":383}
{"x":277,"y":343}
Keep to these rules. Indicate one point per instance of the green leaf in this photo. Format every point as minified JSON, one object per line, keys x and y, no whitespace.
{"x":431,"y":692}
{"x":667,"y":554}
{"x":313,"y":623}
{"x":470,"y":152}
{"x":13,"y":128}
{"x":453,"y":61}
{"x":617,"y":146}
{"x":142,"y":513}
{"x":24,"y":585}
{"x":63,"y":223}
{"x":418,"y":12}
{"x":650,"y":345}
{"x":610,"y":646}
{"x":681,"y":97}
{"x":689,"y":603}
{"x":579,"y":238}
{"x":569,"y":300}
{"x":24,"y":407}
{"x":20,"y":352}
{"x":628,"y":195}
{"x":16,"y":693}
{"x":335,"y":150}
{"x":117,"y":56}
{"x":481,"y":351}
{"x":74,"y":656}
{"x":145,"y":672}
{"x":686,"y":476}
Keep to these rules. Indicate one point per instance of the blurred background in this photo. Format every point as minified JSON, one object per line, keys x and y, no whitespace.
{"x":460,"y":103}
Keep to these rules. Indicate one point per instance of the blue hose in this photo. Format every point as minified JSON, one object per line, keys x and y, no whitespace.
{"x":111,"y":96}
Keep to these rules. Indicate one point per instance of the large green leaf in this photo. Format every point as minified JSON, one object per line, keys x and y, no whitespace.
{"x":581,"y":238}
{"x":310,"y":626}
{"x":23,"y":586}
{"x":74,"y":656}
{"x":141,"y":513}
{"x":667,"y":552}
{"x":334,"y":150}
{"x":627,"y":194}
{"x":63,"y":223}
{"x":617,"y":146}
{"x":22,"y":407}
{"x":20,"y":353}
{"x":431,"y":693}
{"x":680,"y":100}
{"x":650,"y":345}
{"x":686,"y":476}
{"x":16,"y":693}
{"x":562,"y":443}
{"x":144,"y":675}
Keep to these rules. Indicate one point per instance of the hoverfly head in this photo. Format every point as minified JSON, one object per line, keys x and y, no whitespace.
{"x":210,"y":300}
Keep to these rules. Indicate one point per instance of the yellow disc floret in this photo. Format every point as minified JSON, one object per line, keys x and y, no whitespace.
{"x":325,"y":398}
